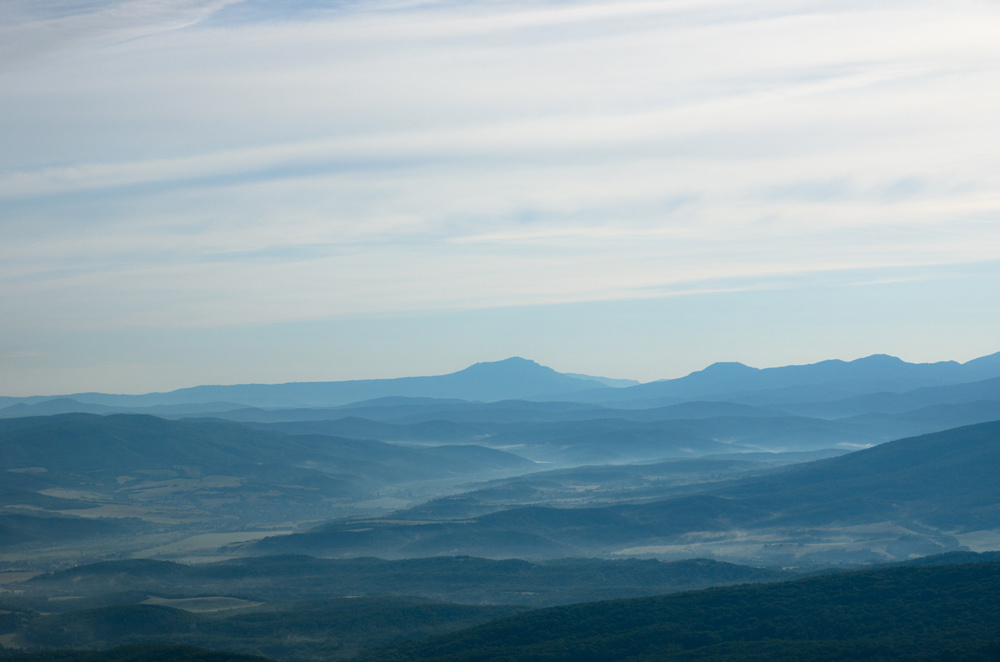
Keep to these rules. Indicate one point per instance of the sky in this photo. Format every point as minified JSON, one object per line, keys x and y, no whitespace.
{"x":217,"y":191}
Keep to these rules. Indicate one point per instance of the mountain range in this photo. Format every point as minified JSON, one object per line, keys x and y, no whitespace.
{"x":514,"y":378}
{"x":319,"y":521}
{"x":522,"y":379}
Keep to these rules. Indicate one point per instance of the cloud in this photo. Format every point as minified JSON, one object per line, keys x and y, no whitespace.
{"x":31,"y":29}
{"x":163,"y":169}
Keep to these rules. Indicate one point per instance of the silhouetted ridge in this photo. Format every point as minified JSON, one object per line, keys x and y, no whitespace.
{"x":513,"y":378}
{"x":826,"y":380}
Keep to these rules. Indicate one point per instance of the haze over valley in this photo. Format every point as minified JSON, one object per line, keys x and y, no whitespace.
{"x":491,"y":330}
{"x":594,"y":491}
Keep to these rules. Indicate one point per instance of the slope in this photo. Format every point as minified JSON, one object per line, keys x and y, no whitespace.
{"x":911,"y":613}
{"x":278,"y":579}
{"x":915,"y":496}
{"x":209,"y":476}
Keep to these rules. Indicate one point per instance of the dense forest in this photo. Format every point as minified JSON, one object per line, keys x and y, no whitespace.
{"x":137,"y":653}
{"x":912,"y":613}
{"x":939,"y":610}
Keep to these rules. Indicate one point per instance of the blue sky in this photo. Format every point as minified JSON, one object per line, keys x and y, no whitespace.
{"x":196,"y":191}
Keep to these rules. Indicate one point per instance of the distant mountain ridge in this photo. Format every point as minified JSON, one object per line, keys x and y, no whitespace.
{"x":522,"y":379}
{"x":510,"y":379}
{"x":826,"y":380}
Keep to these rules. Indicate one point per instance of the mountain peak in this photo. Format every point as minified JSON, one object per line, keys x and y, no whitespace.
{"x":880,"y":359}
{"x":514,"y":367}
{"x":728,"y":367}
{"x":515,"y":362}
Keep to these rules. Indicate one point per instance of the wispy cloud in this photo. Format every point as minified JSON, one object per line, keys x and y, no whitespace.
{"x":29,"y":29}
{"x":203,"y":163}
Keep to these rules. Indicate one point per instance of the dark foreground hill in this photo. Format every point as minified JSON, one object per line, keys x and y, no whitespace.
{"x":273,"y":579}
{"x":301,"y":609}
{"x":137,"y":653}
{"x":906,"y":613}
{"x":299,"y":632}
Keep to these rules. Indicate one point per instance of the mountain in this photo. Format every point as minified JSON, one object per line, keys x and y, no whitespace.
{"x":987,"y":390}
{"x":53,"y":406}
{"x":522,"y":379}
{"x":928,"y":419}
{"x":907,"y":613}
{"x":606,"y":381}
{"x":826,"y":380}
{"x":513,"y":378}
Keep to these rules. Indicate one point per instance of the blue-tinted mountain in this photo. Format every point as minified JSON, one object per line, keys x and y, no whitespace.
{"x":928,"y":419}
{"x":53,"y":406}
{"x":521,"y":379}
{"x":513,"y":378}
{"x":823,"y":381}
{"x":987,"y":390}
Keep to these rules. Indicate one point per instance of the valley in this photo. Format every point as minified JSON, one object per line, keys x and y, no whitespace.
{"x":333,"y":531}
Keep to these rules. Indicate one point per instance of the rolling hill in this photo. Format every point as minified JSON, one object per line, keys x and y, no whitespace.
{"x":911,"y":496}
{"x":79,"y":476}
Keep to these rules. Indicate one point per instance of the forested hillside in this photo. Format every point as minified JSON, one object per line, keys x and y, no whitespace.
{"x":938,"y":613}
